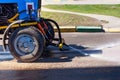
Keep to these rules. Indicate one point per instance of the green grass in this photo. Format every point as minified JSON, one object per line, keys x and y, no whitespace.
{"x":64,"y":19}
{"x":112,"y":10}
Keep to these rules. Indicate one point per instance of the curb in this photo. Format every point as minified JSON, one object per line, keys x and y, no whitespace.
{"x":112,"y":30}
{"x":80,"y":29}
{"x":66,"y":29}
{"x":87,"y":29}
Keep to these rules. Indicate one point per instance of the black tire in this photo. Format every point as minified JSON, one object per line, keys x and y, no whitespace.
{"x":26,"y":44}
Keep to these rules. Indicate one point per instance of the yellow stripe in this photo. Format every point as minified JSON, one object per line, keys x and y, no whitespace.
{"x":17,"y":25}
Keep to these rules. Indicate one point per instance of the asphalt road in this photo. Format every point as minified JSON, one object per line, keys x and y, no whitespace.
{"x":94,"y":40}
{"x":67,"y":65}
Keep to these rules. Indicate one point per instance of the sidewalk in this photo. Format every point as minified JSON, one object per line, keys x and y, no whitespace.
{"x":81,"y":2}
{"x":113,"y":24}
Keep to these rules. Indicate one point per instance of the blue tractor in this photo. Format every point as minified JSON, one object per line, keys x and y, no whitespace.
{"x":25,"y":32}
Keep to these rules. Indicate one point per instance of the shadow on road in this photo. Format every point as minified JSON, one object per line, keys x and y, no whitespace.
{"x":53,"y":54}
{"x":93,"y":73}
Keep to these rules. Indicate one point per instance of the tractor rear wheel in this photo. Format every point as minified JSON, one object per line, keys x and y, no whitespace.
{"x":26,"y":44}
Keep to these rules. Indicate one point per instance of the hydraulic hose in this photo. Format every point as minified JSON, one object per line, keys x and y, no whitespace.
{"x":13,"y":18}
{"x":59,"y":32}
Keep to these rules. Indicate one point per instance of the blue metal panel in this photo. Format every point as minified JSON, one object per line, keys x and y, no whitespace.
{"x":22,"y":6}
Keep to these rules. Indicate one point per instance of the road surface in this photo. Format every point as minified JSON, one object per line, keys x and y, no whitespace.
{"x":67,"y":65}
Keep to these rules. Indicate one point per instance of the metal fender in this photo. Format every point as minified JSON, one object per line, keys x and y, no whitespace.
{"x":7,"y":30}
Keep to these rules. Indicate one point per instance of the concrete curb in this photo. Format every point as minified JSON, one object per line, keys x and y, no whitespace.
{"x":87,"y":29}
{"x":66,"y":29}
{"x":112,"y":30}
{"x":80,"y":29}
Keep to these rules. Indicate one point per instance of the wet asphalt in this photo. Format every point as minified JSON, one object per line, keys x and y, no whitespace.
{"x":70,"y":64}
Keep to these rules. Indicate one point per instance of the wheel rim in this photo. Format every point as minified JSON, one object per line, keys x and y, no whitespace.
{"x":25,"y":44}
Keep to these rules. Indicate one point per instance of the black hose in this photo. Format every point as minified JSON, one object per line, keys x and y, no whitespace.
{"x":59,"y":32}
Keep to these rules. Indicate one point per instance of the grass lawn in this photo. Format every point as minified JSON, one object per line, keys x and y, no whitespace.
{"x":64,"y":19}
{"x":113,"y":10}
